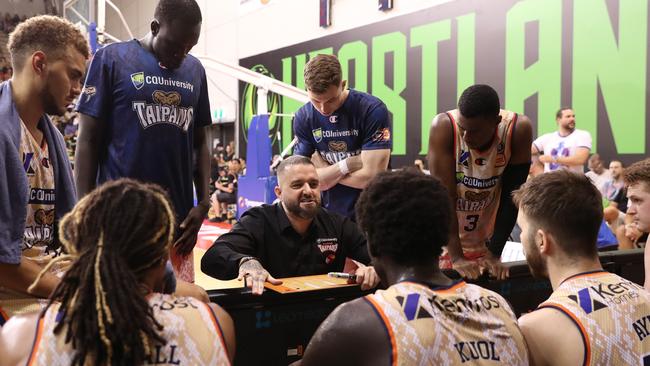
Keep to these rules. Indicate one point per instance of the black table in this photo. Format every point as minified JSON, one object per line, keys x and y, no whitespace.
{"x":274,"y":329}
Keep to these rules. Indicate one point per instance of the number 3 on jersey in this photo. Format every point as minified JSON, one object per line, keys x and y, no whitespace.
{"x":471,"y":222}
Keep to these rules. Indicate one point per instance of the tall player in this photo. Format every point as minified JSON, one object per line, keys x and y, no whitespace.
{"x":349,"y":130}
{"x":423,"y":318}
{"x":593,"y":317}
{"x":481,"y":153}
{"x":143,"y":112}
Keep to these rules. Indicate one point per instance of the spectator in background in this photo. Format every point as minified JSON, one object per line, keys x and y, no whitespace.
{"x":616,"y":194}
{"x":566,"y":148}
{"x":420,"y":166}
{"x":230,"y":152}
{"x":597,"y":173}
{"x":4,"y":74}
{"x":226,"y":190}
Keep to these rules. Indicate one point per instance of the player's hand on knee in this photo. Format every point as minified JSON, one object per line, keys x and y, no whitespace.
{"x":467,"y":269}
{"x":367,"y":277}
{"x":254,"y":276}
{"x":495,"y":267}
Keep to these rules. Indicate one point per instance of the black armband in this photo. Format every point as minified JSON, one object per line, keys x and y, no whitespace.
{"x":513,"y":177}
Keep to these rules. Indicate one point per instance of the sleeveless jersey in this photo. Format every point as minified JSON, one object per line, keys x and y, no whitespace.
{"x":191,"y":329}
{"x":612,"y":314}
{"x":449,"y":325}
{"x":478,"y":182}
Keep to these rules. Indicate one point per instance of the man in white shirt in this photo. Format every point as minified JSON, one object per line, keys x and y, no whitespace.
{"x":567,"y":148}
{"x":597,"y":173}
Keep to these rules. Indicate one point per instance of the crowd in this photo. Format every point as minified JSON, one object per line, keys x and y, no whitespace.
{"x":99,"y":265}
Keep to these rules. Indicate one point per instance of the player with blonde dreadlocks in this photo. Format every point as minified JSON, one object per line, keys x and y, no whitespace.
{"x":105,"y":311}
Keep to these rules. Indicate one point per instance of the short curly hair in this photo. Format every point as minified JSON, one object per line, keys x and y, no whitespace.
{"x":321,"y":72}
{"x":406,"y":216}
{"x":479,"y":101}
{"x":50,"y":34}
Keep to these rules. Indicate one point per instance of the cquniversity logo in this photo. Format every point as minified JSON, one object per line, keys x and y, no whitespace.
{"x":138,"y":80}
{"x":249,"y":105}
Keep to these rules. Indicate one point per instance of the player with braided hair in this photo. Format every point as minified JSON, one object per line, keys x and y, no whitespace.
{"x":106,"y":310}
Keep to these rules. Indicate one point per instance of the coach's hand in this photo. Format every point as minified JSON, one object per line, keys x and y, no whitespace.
{"x":367,"y":277}
{"x":495,"y":266}
{"x":467,"y":269}
{"x":254,"y":276}
{"x":189,"y":229}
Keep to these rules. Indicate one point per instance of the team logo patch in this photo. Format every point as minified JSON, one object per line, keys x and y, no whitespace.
{"x":334,"y":119}
{"x":586,"y":302}
{"x":138,"y":80}
{"x":318,"y":135}
{"x":166,"y":98}
{"x":381,"y":135}
{"x":464,"y":158}
{"x":44,"y":217}
{"x":476,"y":196}
{"x":337,"y":146}
{"x":328,"y":248}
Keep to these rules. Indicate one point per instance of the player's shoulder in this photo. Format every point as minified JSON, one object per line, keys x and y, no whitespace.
{"x":118,"y":48}
{"x":366,"y":103}
{"x":582,"y":133}
{"x":194,"y":62}
{"x":304,"y":113}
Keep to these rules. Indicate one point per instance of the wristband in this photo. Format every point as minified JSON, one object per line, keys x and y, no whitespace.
{"x":343,"y":167}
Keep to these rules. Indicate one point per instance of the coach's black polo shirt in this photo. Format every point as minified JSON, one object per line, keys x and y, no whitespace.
{"x":265,"y":232}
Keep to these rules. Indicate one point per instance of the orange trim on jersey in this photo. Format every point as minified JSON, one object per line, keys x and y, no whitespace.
{"x":4,"y":316}
{"x":451,"y":288}
{"x":37,"y":340}
{"x":583,"y":275}
{"x":583,"y":331}
{"x":384,"y":319}
{"x":511,"y":130}
{"x":217,"y":326}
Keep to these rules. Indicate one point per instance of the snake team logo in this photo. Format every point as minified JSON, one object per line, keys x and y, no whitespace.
{"x":318,"y":135}
{"x":138,"y":80}
{"x":166,"y":108}
{"x":328,"y":247}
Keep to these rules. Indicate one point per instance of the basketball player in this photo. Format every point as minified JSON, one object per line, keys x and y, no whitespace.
{"x":49,"y":55}
{"x":481,"y":154}
{"x":143,"y":110}
{"x":637,"y":181}
{"x":105,"y":311}
{"x":423,"y":318}
{"x":593,"y":317}
{"x":346,"y":133}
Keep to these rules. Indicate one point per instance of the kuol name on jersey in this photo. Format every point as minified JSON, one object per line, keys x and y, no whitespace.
{"x":151,"y":114}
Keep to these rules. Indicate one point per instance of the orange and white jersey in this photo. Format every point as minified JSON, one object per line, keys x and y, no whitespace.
{"x":191,"y":329}
{"x":456,"y":325}
{"x":612,"y":314}
{"x":478,"y":182}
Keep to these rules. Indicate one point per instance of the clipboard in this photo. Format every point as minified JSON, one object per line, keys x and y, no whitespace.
{"x":308,"y":283}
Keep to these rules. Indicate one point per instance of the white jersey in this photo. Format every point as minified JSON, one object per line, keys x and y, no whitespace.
{"x":478,"y":182}
{"x":562,"y":146}
{"x":190,"y":327}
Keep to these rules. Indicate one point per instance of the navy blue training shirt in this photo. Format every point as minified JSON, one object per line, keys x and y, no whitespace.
{"x":361,"y":123}
{"x":150,"y":114}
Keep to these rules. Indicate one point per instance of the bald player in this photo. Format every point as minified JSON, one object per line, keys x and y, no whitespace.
{"x":481,"y":153}
{"x":423,"y":318}
{"x":637,"y":181}
{"x":593,"y":317}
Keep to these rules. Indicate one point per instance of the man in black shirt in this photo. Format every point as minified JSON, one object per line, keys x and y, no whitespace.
{"x":295,"y":237}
